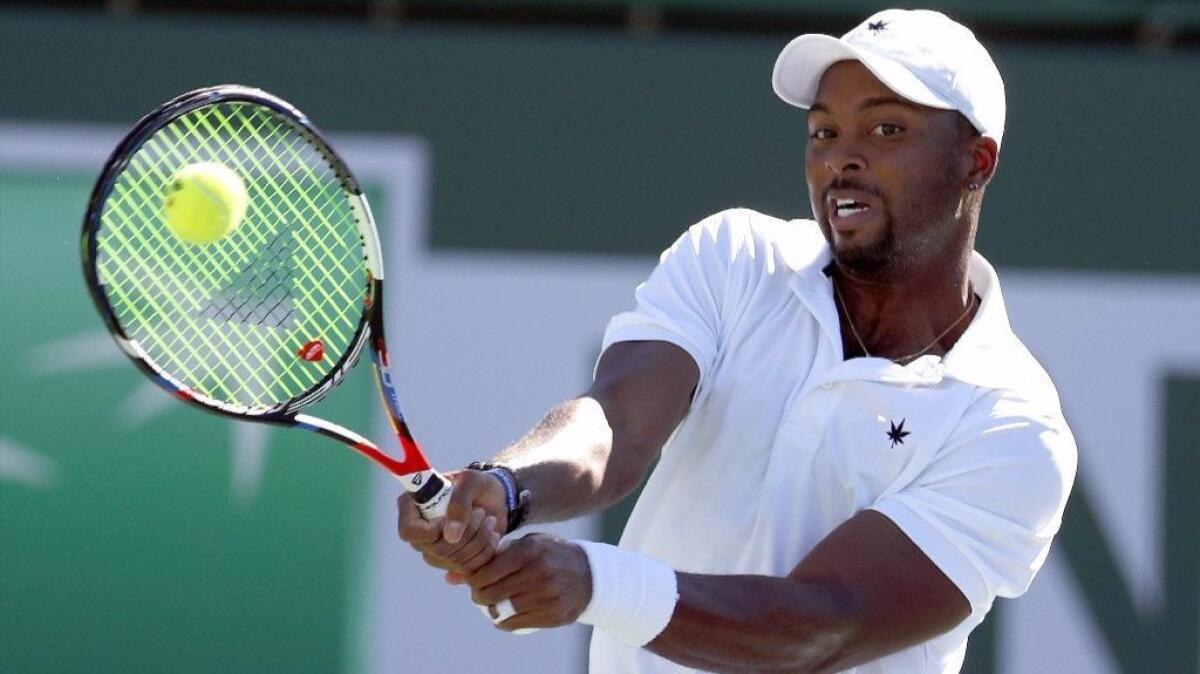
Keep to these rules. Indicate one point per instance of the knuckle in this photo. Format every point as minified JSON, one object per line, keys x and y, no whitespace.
{"x":463,"y":492}
{"x":536,"y":564}
{"x":467,"y":552}
{"x":526,"y":552}
{"x":435,"y":561}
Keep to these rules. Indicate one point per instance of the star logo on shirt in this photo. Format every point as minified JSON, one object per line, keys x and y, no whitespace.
{"x":897,"y":434}
{"x":877,"y":27}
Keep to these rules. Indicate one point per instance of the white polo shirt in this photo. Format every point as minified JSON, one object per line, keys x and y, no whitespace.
{"x":968,"y":454}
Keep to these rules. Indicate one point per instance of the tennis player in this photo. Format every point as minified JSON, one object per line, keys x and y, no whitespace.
{"x":856,"y":455}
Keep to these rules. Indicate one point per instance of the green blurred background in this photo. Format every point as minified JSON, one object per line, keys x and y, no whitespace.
{"x":568,"y":129}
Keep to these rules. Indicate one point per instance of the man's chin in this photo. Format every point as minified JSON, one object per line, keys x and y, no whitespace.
{"x":863,"y":259}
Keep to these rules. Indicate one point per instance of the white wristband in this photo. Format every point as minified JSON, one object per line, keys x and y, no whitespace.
{"x":633,"y":595}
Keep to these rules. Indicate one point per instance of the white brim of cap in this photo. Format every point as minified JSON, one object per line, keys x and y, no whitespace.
{"x":804,"y":60}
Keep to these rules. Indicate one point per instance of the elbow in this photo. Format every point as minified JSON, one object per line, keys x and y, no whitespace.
{"x":829,"y":644}
{"x":622,"y":453}
{"x":621,"y":476}
{"x":824,"y":654}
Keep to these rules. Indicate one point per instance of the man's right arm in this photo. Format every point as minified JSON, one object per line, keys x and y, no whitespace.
{"x":584,"y":455}
{"x":589,"y":452}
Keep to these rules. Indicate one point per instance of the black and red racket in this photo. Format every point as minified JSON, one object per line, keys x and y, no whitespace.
{"x":268,"y":318}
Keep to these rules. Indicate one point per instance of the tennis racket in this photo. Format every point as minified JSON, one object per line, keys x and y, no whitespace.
{"x":268,"y":319}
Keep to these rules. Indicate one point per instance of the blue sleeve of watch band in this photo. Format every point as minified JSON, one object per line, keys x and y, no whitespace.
{"x":510,"y":487}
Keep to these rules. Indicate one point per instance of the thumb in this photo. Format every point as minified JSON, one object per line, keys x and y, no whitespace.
{"x":458,"y":512}
{"x":412,"y":527}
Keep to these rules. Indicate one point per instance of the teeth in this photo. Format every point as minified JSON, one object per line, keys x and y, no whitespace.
{"x":846,"y":207}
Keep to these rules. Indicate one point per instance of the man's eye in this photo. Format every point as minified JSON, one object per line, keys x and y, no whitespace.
{"x":886,"y":129}
{"x":821,"y":134}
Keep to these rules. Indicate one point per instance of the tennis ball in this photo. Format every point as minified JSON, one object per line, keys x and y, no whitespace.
{"x":204,"y":201}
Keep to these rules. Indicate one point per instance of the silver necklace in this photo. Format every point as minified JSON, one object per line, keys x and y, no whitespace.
{"x":912,"y":356}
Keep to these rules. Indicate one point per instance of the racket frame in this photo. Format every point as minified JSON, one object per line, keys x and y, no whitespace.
{"x":430,"y":488}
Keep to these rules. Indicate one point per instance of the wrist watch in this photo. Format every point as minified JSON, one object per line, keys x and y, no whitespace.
{"x":516,"y":496}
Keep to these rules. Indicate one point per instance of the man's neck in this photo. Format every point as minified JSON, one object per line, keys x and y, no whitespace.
{"x":905,"y":311}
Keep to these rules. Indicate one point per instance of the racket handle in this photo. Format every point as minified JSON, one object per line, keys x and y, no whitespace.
{"x":431,"y":492}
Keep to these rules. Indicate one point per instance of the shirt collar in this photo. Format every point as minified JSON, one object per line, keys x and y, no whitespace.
{"x":984,"y":355}
{"x":981,"y":357}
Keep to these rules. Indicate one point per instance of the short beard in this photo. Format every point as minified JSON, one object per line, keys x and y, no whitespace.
{"x":873,"y":258}
{"x":888,"y":256}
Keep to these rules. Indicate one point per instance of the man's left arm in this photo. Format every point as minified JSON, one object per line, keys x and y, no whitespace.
{"x":866,"y":590}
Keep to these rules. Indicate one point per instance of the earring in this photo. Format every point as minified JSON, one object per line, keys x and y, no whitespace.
{"x":973,"y":186}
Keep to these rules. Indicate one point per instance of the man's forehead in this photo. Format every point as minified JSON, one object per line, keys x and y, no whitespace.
{"x":851,"y":82}
{"x":850,"y":87}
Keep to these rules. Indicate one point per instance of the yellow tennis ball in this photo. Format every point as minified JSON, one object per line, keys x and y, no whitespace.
{"x":204,"y":201}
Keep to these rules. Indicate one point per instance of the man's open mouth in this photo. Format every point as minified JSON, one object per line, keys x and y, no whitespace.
{"x":847,"y":207}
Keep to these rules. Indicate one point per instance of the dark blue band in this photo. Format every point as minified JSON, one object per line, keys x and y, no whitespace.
{"x":510,"y":486}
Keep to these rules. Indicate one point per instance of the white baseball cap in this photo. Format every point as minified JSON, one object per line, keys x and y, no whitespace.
{"x":922,"y":55}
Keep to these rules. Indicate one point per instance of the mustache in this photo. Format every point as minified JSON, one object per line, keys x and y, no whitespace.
{"x":849,"y":184}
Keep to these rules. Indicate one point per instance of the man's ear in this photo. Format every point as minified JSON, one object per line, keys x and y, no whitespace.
{"x":984,"y":153}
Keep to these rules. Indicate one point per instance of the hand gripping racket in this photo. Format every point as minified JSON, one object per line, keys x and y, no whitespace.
{"x":267,"y":319}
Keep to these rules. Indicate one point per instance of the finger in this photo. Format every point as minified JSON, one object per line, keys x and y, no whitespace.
{"x":485,"y":555}
{"x":500,"y":613}
{"x":475,"y":536}
{"x":528,"y":614}
{"x":413,"y":528}
{"x":478,"y":561}
{"x":455,"y":578}
{"x":479,"y":545}
{"x":510,"y":558}
{"x":478,"y":517}
{"x":465,"y":534}
{"x":528,"y":622}
{"x":435,"y":561}
{"x":501,"y":610}
{"x":460,"y":510}
{"x":522,"y":581}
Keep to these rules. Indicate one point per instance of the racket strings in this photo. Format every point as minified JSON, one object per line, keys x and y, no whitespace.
{"x":182,"y":343}
{"x":259,"y":296}
{"x":228,"y":318}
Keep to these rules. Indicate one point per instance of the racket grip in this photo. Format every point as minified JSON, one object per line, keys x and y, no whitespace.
{"x":431,"y":492}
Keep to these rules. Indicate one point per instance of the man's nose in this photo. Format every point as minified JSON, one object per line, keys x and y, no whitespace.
{"x":840,"y":163}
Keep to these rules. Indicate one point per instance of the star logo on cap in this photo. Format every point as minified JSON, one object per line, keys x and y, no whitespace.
{"x":877,"y":26}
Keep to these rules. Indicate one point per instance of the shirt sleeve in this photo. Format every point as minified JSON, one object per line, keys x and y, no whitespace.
{"x":985,"y":510}
{"x":681,"y":302}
